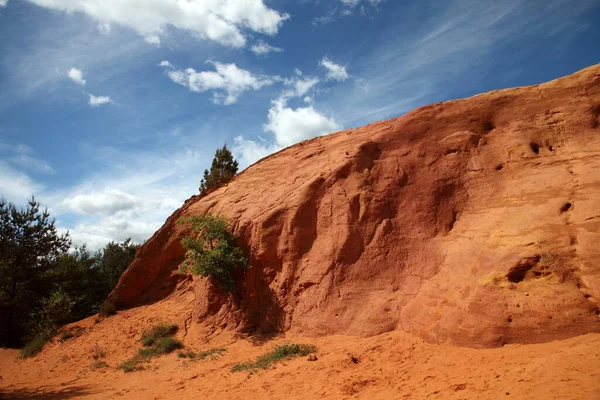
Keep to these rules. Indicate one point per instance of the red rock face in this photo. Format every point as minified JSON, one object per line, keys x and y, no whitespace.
{"x":474,"y":222}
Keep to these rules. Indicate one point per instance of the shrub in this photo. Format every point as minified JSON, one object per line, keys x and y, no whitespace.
{"x":214,"y":252}
{"x":35,"y":346}
{"x":157,"y":341}
{"x":213,"y":353}
{"x":133,"y":364}
{"x":98,"y":365}
{"x":98,"y":352}
{"x":279,"y":353}
{"x":70,"y":333}
{"x":158,"y":332}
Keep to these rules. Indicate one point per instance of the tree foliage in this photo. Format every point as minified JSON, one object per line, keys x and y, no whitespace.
{"x":42,"y":283}
{"x":213,"y":252}
{"x":30,"y":246}
{"x":223,"y":168}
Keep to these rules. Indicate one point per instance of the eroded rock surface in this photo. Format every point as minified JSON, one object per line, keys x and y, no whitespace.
{"x":474,"y":222}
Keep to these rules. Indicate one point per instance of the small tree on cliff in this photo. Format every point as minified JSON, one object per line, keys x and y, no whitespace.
{"x":223,"y":168}
{"x":213,"y":252}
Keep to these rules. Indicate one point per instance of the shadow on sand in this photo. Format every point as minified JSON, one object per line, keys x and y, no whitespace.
{"x":44,"y":394}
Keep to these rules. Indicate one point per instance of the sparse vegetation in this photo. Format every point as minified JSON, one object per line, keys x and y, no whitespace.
{"x":156,"y":342}
{"x":98,"y":365}
{"x":35,"y":346}
{"x":213,"y":253}
{"x":212,"y":353}
{"x":98,"y":352}
{"x":279,"y":353}
{"x":70,"y":333}
{"x":131,"y":365}
{"x":158,"y":332}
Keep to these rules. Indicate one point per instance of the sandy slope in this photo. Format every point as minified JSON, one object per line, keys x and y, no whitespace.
{"x":395,"y":365}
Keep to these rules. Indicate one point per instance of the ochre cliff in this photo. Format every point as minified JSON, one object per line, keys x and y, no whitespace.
{"x":474,"y":222}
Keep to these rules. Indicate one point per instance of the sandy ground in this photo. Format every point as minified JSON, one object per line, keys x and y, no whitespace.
{"x":389,"y":366}
{"x":395,"y":365}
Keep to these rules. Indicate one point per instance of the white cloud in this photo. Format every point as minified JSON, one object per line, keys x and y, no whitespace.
{"x":16,"y":186}
{"x":107,"y":202}
{"x":22,"y":156}
{"x":334,"y":71}
{"x":354,"y":3}
{"x":227,"y":82}
{"x":3,"y":3}
{"x":289,"y":126}
{"x":76,"y":75}
{"x":294,"y":125}
{"x":166,"y":64}
{"x":222,"y":21}
{"x":249,"y":151}
{"x":261,"y":47}
{"x":96,"y":101}
{"x":104,"y":28}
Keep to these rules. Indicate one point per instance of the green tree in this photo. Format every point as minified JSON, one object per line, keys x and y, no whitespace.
{"x":223,"y":168}
{"x":213,"y":253}
{"x":30,"y":245}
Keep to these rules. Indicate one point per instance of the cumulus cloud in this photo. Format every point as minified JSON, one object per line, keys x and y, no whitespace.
{"x":249,"y":151}
{"x":76,"y":75}
{"x":289,"y":126}
{"x":106,"y":202}
{"x":166,"y":64}
{"x":15,"y":185}
{"x":222,"y":21}
{"x":334,"y":71}
{"x":294,"y":125}
{"x":97,"y":101}
{"x":227,"y":82}
{"x":300,"y":86}
{"x":3,"y":3}
{"x":261,"y":47}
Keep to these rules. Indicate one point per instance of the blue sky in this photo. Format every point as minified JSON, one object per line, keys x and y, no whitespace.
{"x":110,"y":110}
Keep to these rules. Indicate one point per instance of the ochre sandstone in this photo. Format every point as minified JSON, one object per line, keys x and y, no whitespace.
{"x":474,"y":222}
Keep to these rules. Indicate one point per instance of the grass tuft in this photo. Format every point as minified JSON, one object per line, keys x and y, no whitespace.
{"x":133,"y":364}
{"x":279,"y":353}
{"x":212,"y":353}
{"x":156,"y":342}
{"x":158,"y":332}
{"x":35,"y":346}
{"x":98,"y":365}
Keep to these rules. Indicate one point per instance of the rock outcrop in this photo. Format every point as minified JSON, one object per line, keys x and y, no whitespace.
{"x":474,"y":222}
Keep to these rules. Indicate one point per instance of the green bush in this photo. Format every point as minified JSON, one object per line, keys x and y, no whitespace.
{"x":98,"y":365}
{"x":213,"y":353}
{"x":35,"y":345}
{"x":213,"y":253}
{"x":133,"y":364}
{"x":156,"y":342}
{"x":279,"y":353}
{"x":157,"y":332}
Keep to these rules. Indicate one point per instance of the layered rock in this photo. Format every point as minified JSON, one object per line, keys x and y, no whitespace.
{"x":474,"y":222}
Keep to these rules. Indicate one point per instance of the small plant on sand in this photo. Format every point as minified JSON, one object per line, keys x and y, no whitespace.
{"x":279,"y":353}
{"x":98,"y":365}
{"x":35,"y":345}
{"x":213,"y":253}
{"x":98,"y":352}
{"x":156,"y":341}
{"x":212,"y":353}
{"x":70,"y":333}
{"x":158,"y":332}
